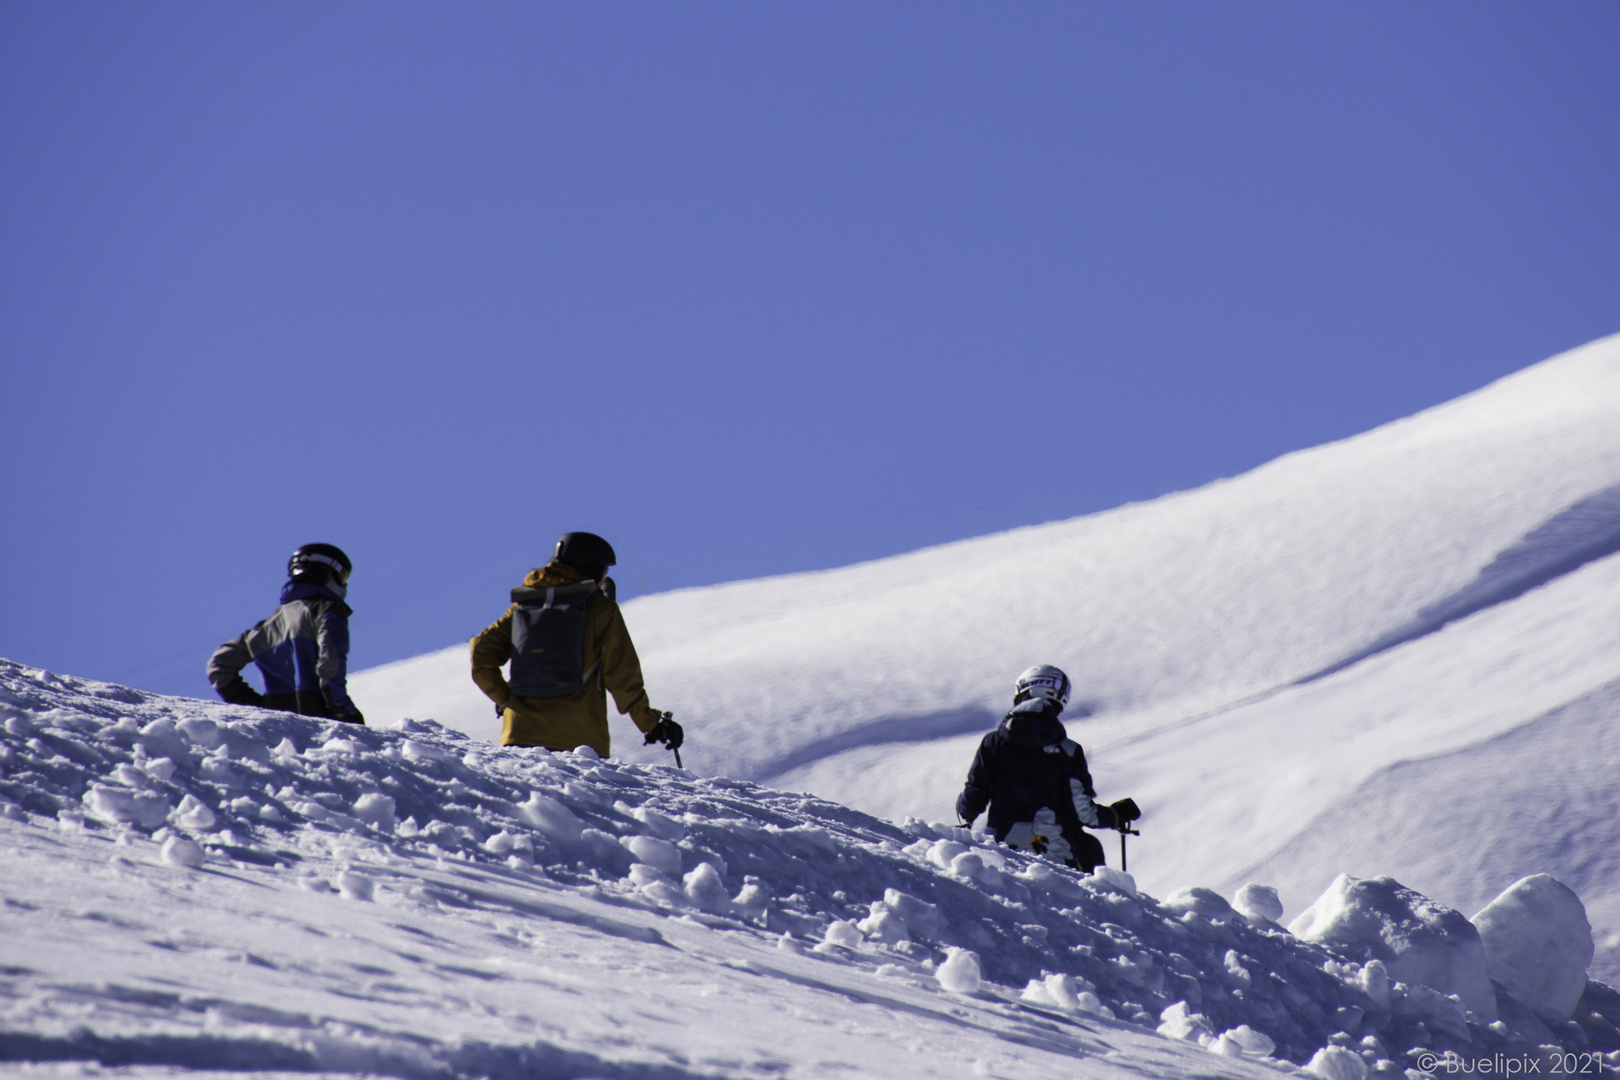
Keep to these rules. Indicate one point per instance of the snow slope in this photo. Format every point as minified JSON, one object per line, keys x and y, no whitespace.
{"x":205,"y":888}
{"x":1263,"y":659}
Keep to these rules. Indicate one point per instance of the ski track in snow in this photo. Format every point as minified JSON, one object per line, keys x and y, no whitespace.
{"x":209,"y":888}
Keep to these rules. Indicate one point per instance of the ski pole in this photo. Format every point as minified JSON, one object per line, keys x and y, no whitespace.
{"x":677,"y":754}
{"x":1124,"y":831}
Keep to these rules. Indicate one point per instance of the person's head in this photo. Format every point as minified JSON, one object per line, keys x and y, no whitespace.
{"x":586,"y":552}
{"x":1045,"y":683}
{"x":320,"y":564}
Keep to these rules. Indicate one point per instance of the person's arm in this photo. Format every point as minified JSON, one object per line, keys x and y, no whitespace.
{"x":225,"y":672}
{"x":332,"y":662}
{"x":621,"y":668}
{"x":491,"y":649}
{"x":981,"y":776}
{"x":1083,"y":794}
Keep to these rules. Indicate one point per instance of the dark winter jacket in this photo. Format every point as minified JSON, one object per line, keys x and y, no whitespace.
{"x":1026,"y":764}
{"x":302,"y":651}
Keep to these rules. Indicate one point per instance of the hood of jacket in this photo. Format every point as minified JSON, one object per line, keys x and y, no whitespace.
{"x":1034,"y":723}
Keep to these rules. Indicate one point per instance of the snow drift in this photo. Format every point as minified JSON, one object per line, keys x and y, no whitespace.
{"x":215,"y":887}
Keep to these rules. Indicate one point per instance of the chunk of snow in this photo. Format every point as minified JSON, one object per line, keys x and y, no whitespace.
{"x":1117,"y":880}
{"x":1040,"y":875}
{"x":960,"y":972}
{"x":660,"y":825}
{"x":1036,"y":993}
{"x":1258,"y":903}
{"x":1253,"y":1043}
{"x":943,"y":851}
{"x":159,"y":768}
{"x":1374,"y":982}
{"x":418,"y":752}
{"x":883,"y":924}
{"x":192,"y":814}
{"x":204,"y":733}
{"x":922,"y":919}
{"x":753,"y":901}
{"x":378,"y":809}
{"x":120,"y":806}
{"x":1233,"y":968}
{"x":587,"y":752}
{"x":354,"y":885}
{"x":162,"y":739}
{"x":641,"y":875}
{"x":705,"y":890}
{"x":1179,"y":1021}
{"x":548,"y":815}
{"x":1538,"y":943}
{"x":1063,"y":992}
{"x":655,"y":852}
{"x":840,"y":932}
{"x":1337,"y":1063}
{"x":968,"y":865}
{"x":179,"y":851}
{"x":1419,"y":940}
{"x":1208,"y":903}
{"x":1087,"y":1002}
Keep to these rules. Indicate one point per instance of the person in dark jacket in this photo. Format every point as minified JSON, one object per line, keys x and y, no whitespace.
{"x":1034,"y":779}
{"x":302,"y":649}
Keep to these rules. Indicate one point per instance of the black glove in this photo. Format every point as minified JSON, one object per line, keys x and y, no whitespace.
{"x":666,"y":731}
{"x":1125,"y":811}
{"x":238,"y":692}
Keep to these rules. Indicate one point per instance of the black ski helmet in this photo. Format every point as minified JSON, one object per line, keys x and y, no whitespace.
{"x":326,"y":561}
{"x":586,"y":552}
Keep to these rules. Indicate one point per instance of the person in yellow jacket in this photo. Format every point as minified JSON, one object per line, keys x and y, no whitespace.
{"x":566,"y":641}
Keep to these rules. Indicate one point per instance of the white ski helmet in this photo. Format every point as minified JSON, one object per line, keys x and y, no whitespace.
{"x":1043,"y":681}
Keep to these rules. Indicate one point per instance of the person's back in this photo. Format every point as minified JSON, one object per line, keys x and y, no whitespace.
{"x":568,"y":647}
{"x":1034,"y":780}
{"x":302,"y":649}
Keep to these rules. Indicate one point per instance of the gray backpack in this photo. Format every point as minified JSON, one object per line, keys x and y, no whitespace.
{"x":548,"y":639}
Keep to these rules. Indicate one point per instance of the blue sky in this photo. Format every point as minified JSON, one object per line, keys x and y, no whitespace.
{"x":747,"y":288}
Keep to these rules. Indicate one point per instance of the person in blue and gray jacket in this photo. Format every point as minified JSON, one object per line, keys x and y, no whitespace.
{"x":1034,"y":779}
{"x":302,"y":650}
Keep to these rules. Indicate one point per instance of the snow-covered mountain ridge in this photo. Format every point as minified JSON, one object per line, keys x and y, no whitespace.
{"x":1462,"y":557}
{"x":212,"y":888}
{"x":1160,"y":610}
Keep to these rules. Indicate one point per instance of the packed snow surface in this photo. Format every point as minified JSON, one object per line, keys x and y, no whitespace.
{"x":208,"y":887}
{"x":1395,"y":655}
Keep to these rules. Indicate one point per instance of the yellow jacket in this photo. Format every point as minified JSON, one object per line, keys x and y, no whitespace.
{"x":580,"y":718}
